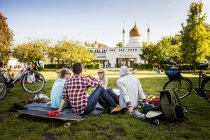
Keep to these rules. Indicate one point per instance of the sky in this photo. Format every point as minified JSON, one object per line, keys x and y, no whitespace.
{"x":95,"y":20}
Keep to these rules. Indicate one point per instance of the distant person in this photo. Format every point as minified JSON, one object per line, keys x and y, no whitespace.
{"x":1,"y":64}
{"x":11,"y":72}
{"x":75,"y":90}
{"x":34,"y":66}
{"x":57,"y":89}
{"x":130,"y":91}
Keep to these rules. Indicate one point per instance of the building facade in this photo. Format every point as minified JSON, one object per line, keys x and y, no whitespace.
{"x":125,"y":55}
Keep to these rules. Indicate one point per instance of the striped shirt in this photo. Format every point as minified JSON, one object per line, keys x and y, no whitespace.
{"x":75,"y":90}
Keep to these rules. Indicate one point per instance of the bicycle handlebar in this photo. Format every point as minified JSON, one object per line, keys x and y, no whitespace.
{"x":172,"y":61}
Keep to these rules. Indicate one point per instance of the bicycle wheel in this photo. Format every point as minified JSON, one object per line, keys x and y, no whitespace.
{"x":182,"y":87}
{"x":3,"y":88}
{"x":33,"y":82}
{"x":206,"y":89}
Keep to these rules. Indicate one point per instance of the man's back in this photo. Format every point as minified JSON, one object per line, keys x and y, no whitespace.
{"x":75,"y":90}
{"x":130,"y":88}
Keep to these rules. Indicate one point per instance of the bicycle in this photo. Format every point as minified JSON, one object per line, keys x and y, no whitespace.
{"x":183,"y":86}
{"x":31,"y":81}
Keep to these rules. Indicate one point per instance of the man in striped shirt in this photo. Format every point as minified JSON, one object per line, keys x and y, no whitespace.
{"x":75,"y":90}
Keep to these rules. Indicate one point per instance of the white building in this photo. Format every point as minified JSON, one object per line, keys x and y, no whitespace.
{"x":118,"y":56}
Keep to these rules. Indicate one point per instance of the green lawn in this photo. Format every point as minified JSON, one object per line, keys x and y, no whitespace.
{"x":107,"y":126}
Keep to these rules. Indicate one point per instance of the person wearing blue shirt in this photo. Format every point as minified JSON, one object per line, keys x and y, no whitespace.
{"x":57,"y":89}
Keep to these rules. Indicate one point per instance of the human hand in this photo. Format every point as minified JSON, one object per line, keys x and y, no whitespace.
{"x":89,"y":76}
{"x":130,"y":109}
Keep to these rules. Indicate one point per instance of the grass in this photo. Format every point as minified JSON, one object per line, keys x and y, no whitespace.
{"x":106,"y":126}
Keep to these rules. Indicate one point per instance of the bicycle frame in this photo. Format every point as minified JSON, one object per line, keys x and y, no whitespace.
{"x":198,"y":90}
{"x":19,"y":75}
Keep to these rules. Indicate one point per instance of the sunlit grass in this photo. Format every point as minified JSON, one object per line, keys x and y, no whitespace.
{"x":106,"y":126}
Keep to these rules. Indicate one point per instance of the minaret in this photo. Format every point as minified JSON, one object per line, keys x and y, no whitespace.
{"x":96,"y":44}
{"x":148,"y":32}
{"x":123,"y":39}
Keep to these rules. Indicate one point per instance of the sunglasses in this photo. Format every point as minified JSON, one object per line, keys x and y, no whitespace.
{"x":100,"y":72}
{"x":68,"y":73}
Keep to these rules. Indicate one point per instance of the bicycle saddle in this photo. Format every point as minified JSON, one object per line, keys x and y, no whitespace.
{"x":201,"y":66}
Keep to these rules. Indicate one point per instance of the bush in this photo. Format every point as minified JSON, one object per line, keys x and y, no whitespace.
{"x":97,"y":65}
{"x":145,"y":66}
{"x":135,"y":66}
{"x":53,"y":66}
{"x":90,"y":66}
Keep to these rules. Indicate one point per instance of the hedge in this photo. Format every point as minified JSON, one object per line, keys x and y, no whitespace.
{"x":53,"y":66}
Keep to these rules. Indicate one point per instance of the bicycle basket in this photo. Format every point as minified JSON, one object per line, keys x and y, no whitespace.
{"x":172,"y":74}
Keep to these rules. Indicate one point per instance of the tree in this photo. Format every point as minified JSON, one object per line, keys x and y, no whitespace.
{"x":149,"y":53}
{"x":31,"y":51}
{"x":100,"y":45}
{"x":70,"y":52}
{"x":207,"y":27}
{"x":166,"y":48}
{"x":6,"y":38}
{"x":194,"y":36}
{"x":119,"y":44}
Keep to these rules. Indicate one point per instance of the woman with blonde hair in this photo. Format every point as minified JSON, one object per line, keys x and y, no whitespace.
{"x":104,"y":81}
{"x":103,"y":78}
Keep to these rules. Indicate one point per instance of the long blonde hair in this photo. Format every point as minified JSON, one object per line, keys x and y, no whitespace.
{"x":104,"y":80}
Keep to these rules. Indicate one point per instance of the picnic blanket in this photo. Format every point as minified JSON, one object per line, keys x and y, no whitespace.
{"x":45,"y":107}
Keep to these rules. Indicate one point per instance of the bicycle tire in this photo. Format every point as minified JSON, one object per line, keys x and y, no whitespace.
{"x":206,"y":89}
{"x":182,"y":86}
{"x":3,"y":87}
{"x":33,"y":82}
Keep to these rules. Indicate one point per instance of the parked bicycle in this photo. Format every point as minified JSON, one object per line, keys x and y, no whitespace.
{"x":31,"y":81}
{"x":183,"y":86}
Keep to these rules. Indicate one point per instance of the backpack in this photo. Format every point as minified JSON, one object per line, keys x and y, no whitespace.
{"x":171,"y":106}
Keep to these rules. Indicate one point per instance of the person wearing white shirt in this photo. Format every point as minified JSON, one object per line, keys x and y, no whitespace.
{"x":130,"y":90}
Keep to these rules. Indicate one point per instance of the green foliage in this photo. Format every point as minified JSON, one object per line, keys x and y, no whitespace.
{"x":97,"y":65}
{"x":53,"y":66}
{"x":166,"y":48}
{"x":145,"y":66}
{"x":31,"y":51}
{"x":6,"y":38}
{"x":142,"y":66}
{"x":93,"y":65}
{"x":90,"y":66}
{"x":135,"y":66}
{"x":194,"y":36}
{"x":71,"y":52}
{"x":100,"y":45}
{"x":119,"y":44}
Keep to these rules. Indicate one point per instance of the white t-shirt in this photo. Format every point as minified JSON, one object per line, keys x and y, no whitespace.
{"x":130,"y":90}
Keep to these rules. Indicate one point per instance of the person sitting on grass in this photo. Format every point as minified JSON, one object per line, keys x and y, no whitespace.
{"x":75,"y":90}
{"x":104,"y":82}
{"x":130,"y":91}
{"x":11,"y":72}
{"x":57,"y":89}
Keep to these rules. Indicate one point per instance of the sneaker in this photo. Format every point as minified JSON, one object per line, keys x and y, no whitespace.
{"x":138,"y":115}
{"x":116,"y":109}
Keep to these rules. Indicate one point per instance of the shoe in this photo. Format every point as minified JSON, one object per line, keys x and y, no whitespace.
{"x":116,"y":109}
{"x":138,"y":115}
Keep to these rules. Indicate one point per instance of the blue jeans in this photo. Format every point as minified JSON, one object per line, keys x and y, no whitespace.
{"x":98,"y":94}
{"x":113,"y":95}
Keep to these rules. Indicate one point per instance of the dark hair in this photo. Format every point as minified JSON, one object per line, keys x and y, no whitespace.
{"x":77,"y":68}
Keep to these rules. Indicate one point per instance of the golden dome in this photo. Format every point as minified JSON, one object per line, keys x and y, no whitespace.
{"x":135,"y":31}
